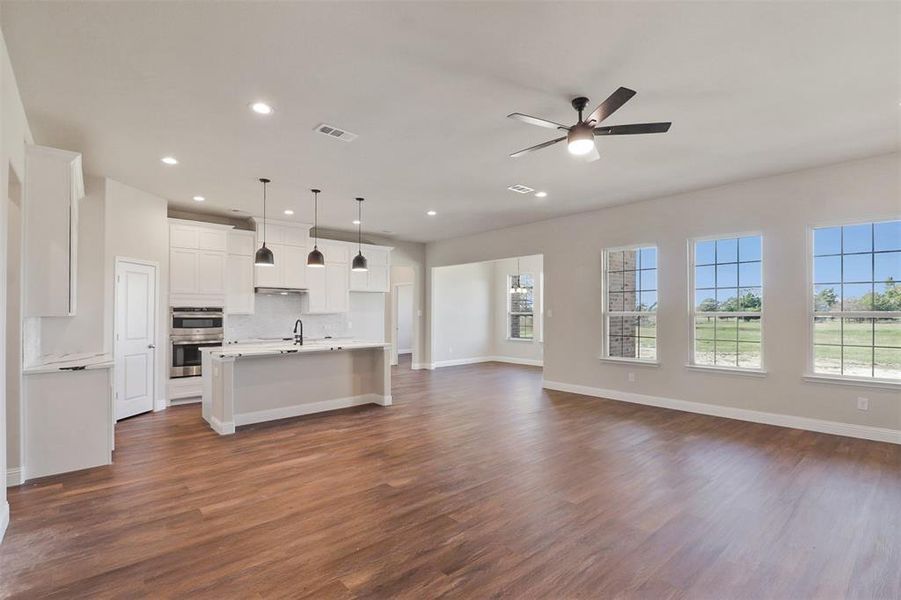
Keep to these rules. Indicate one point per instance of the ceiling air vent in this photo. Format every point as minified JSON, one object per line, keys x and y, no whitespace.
{"x":520,"y":189}
{"x":334,"y":132}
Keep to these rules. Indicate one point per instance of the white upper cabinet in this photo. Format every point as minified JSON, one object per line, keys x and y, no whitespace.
{"x":378,"y":259}
{"x":288,"y":241}
{"x":54,"y":185}
{"x":327,"y":286}
{"x":239,"y":297}
{"x":198,"y":258}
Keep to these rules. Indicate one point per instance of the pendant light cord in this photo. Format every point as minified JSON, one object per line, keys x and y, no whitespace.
{"x":315,"y":218}
{"x":360,"y":226}
{"x":264,"y":213}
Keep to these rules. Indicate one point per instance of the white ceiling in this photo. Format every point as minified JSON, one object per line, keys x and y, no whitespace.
{"x":751,"y":89}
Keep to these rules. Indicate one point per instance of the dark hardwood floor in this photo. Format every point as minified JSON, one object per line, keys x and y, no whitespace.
{"x":475,"y":484}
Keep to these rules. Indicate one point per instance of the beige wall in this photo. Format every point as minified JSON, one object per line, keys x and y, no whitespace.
{"x":462,"y":312}
{"x":14,"y":331}
{"x":781,"y":207}
{"x":14,"y":134}
{"x":138,"y":228}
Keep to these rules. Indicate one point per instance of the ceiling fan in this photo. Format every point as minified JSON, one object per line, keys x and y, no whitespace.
{"x":580,"y":137}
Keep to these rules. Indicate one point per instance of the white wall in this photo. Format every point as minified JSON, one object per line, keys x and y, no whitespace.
{"x":14,"y":134}
{"x":462,"y":305}
{"x":14,"y":334}
{"x":138,"y":228}
{"x":404,"y":319}
{"x":781,"y":207}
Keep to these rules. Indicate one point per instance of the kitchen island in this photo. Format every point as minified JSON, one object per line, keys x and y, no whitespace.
{"x":256,"y":382}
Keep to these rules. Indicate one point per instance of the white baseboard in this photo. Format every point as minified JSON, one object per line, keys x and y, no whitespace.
{"x":180,"y":401}
{"x":418,"y":366}
{"x":15,"y":476}
{"x":482,"y":359}
{"x":160,"y":404}
{"x":4,"y":519}
{"x":309,"y":408}
{"x":866,"y":432}
{"x":220,"y":427}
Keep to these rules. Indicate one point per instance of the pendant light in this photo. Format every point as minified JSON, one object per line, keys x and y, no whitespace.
{"x":264,"y":257}
{"x":517,"y":289}
{"x":315,"y":257}
{"x":359,"y":263}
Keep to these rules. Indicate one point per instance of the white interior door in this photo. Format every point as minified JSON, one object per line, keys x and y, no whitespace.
{"x":135,"y":337}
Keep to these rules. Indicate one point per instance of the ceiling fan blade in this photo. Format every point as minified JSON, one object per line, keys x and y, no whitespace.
{"x":610,"y":105}
{"x":536,"y":121}
{"x":633,"y":128}
{"x":591,"y":156}
{"x":538,"y":147}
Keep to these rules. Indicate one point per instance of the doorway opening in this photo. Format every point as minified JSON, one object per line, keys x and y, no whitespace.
{"x":489,"y":311}
{"x":14,"y":348}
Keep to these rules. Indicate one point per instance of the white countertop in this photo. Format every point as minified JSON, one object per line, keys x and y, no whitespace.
{"x":277,"y":348}
{"x":65,"y":363}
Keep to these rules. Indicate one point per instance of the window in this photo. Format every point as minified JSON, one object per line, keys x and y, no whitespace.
{"x":630,"y":304}
{"x":857,"y":300}
{"x":728,"y":302}
{"x":520,"y":315}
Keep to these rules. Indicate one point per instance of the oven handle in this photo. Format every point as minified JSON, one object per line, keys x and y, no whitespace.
{"x":196,"y":342}
{"x":198,"y":315}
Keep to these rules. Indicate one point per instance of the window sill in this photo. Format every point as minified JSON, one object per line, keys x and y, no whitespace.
{"x":727,"y":370}
{"x":529,"y":340}
{"x":885,"y":384}
{"x":629,"y":361}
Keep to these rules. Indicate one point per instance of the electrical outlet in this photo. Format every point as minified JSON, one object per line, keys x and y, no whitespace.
{"x":631,"y":377}
{"x":863,"y":403}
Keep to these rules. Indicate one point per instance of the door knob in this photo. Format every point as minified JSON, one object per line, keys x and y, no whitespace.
{"x":151,"y":346}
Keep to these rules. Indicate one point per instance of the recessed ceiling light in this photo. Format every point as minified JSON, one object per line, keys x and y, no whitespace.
{"x":288,"y":211}
{"x":356,"y":221}
{"x":541,"y":194}
{"x":431,"y":213}
{"x":261,"y":108}
{"x":169,"y":160}
{"x":199,"y":198}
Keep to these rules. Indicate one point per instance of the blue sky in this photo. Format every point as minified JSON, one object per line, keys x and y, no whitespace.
{"x":858,"y":254}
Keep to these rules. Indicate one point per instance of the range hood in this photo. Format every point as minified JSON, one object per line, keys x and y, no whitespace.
{"x":275,"y":291}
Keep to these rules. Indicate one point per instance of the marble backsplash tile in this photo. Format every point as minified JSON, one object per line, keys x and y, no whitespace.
{"x":274,"y":316}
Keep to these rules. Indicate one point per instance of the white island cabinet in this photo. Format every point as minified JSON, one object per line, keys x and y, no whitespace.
{"x":252,"y":383}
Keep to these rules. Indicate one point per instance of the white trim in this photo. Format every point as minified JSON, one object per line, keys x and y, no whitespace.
{"x":419,"y":366}
{"x":852,"y":381}
{"x":748,"y":372}
{"x":606,"y":313}
{"x":629,"y":361}
{"x":532,"y":362}
{"x":15,"y":476}
{"x":222,"y":427}
{"x":4,"y":519}
{"x":866,"y":432}
{"x":297,"y":410}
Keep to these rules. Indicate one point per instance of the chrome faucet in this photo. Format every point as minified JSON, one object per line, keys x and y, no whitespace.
{"x":298,"y":337}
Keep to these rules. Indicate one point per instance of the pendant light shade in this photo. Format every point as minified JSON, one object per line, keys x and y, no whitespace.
{"x":264,"y":256}
{"x":315,"y":258}
{"x":359,"y":262}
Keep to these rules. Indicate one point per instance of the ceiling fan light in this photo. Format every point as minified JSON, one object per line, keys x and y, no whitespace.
{"x":359,"y":263}
{"x":264,"y":257}
{"x":580,"y":139}
{"x":315,"y":258}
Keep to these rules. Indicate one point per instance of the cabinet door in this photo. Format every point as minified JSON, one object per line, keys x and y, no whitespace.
{"x":336,"y":299}
{"x":239,"y":284}
{"x":182,"y":271}
{"x":183,"y":236}
{"x":210,"y":273}
{"x":316,"y":286}
{"x":241,"y":242}
{"x":359,"y":281}
{"x":294,"y":265}
{"x":378,"y":278}
{"x":212,"y":239}
{"x":271,"y":276}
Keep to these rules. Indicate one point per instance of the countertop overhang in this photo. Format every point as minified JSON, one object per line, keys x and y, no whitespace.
{"x":280,"y":348}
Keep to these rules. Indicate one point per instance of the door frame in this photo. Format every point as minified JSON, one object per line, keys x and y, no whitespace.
{"x":156,"y":325}
{"x":394,"y":319}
